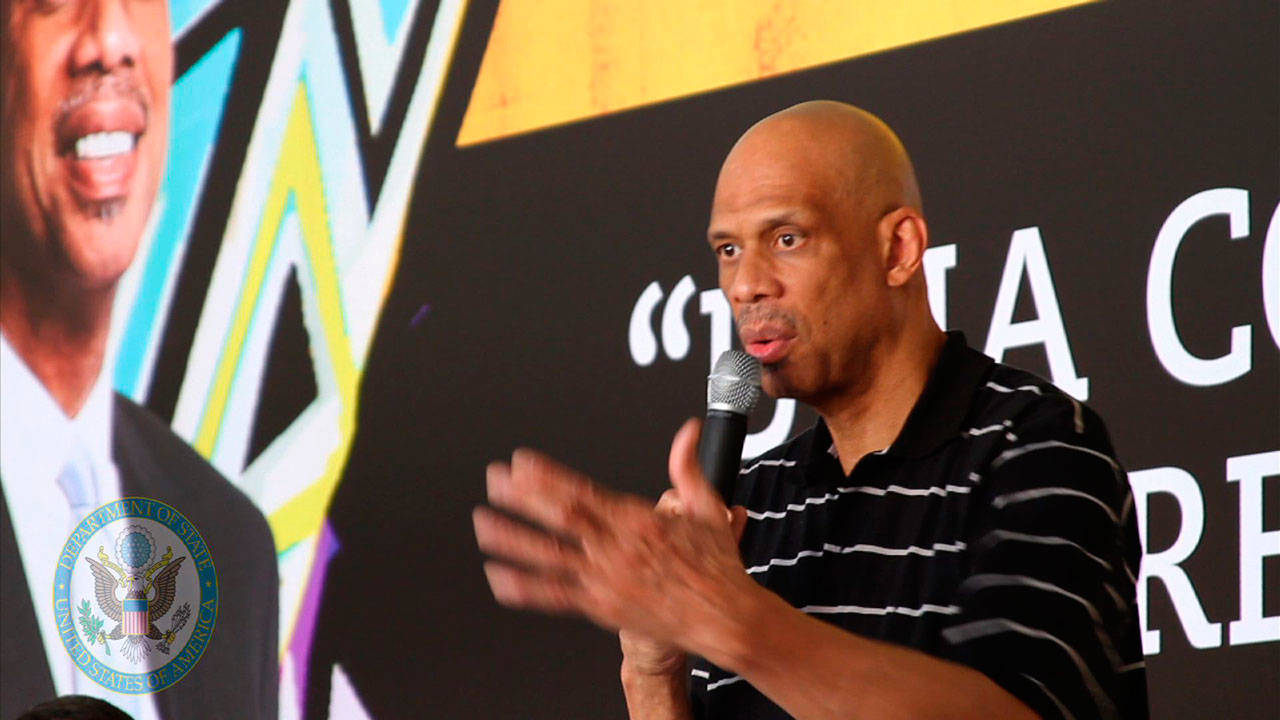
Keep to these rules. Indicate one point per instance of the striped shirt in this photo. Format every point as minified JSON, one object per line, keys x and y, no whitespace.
{"x":996,"y":531}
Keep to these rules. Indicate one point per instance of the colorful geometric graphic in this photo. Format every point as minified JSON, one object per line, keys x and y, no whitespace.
{"x":303,"y":223}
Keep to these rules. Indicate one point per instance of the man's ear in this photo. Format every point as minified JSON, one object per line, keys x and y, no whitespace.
{"x":904,"y":233}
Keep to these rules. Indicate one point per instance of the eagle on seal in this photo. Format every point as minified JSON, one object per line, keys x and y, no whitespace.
{"x":105,"y":584}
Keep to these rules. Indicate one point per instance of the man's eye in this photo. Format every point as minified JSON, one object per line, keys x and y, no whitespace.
{"x":787,"y":240}
{"x":727,"y":250}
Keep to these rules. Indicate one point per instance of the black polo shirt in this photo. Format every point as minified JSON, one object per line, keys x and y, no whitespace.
{"x":996,"y":531}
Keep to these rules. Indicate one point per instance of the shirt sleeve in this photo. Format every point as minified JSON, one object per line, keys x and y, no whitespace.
{"x":1048,"y":609}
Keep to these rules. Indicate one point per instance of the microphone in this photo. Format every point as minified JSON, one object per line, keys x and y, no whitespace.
{"x":733,"y":389}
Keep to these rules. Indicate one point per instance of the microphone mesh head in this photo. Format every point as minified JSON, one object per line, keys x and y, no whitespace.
{"x":734,"y":383}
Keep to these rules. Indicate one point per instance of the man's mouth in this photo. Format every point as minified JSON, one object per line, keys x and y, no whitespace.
{"x":101,"y":167}
{"x":770,"y":352}
{"x":99,"y":145}
{"x":101,"y":159}
{"x":98,"y":130}
{"x":769,"y":345}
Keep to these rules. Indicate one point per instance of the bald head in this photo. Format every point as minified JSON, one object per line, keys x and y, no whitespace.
{"x":855,"y":156}
{"x":819,"y":238}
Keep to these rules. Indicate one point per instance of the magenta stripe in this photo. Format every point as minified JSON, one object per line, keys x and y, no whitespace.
{"x":305,"y":626}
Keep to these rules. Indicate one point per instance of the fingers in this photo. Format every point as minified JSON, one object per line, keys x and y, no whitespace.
{"x":670,"y":503}
{"x":505,"y":538}
{"x":699,"y":498}
{"x":538,"y":488}
{"x":683,"y":459}
{"x":517,"y":588}
{"x":737,"y":521}
{"x":610,"y":557}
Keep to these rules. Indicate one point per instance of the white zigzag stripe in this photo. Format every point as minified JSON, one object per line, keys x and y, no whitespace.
{"x":889,"y":610}
{"x":1001,"y":501}
{"x":767,"y":463}
{"x":899,"y":490}
{"x":960,"y":634}
{"x":1008,"y":455}
{"x":721,"y":683}
{"x":974,"y":432}
{"x":859,"y":548}
{"x":1025,"y":388}
{"x":840,"y":609}
{"x":866,"y":490}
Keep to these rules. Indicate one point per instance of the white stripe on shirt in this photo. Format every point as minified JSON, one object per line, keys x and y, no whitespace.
{"x":781,"y":462}
{"x":887,"y":610}
{"x":719,"y":683}
{"x":960,"y":634}
{"x":1008,"y":455}
{"x":995,"y":537}
{"x":806,"y":503}
{"x":838,"y":609}
{"x":1066,"y":714}
{"x":859,"y":548}
{"x":724,"y":681}
{"x":1025,"y":388}
{"x":988,"y":580}
{"x":900,"y":490}
{"x":1001,"y":501}
{"x":974,"y":432}
{"x":791,"y":507}
{"x":1077,"y":415}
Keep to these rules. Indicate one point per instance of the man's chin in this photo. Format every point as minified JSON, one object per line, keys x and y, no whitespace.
{"x":786,"y":379}
{"x":774,"y":384}
{"x":99,"y":242}
{"x":103,"y":211}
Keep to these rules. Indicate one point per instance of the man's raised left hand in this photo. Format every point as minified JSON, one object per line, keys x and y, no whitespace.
{"x":674,"y":578}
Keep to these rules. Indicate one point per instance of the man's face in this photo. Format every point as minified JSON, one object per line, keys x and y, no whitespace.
{"x":800,"y":266}
{"x":86,"y":117}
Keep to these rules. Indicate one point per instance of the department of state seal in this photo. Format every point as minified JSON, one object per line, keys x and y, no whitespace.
{"x":135,"y":595}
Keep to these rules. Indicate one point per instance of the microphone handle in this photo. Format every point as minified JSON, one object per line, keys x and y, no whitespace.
{"x":720,"y":450}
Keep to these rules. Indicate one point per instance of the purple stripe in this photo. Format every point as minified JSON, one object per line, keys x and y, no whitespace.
{"x":305,"y":626}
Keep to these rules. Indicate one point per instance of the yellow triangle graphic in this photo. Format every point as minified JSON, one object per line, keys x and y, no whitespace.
{"x":555,"y":61}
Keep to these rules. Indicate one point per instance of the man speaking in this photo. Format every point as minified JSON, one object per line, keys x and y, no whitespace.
{"x":953,"y":538}
{"x":85,"y":127}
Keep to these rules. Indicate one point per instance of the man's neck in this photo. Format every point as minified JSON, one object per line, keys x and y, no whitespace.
{"x":59,"y":333}
{"x":870,"y":418}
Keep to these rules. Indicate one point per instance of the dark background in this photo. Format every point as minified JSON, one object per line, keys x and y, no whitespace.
{"x":523,"y":258}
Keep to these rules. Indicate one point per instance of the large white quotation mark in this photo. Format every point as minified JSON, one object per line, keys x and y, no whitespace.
{"x":643,"y":344}
{"x":675,"y":336}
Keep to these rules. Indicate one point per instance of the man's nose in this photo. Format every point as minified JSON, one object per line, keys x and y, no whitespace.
{"x":107,"y":39}
{"x":753,"y":278}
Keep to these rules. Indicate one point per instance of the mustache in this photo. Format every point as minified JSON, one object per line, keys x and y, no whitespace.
{"x":116,"y":85}
{"x":765,"y":315}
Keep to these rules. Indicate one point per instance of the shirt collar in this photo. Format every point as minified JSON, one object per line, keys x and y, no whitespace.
{"x":938,"y":414}
{"x":37,"y":434}
{"x":93,"y":423}
{"x":816,"y":450}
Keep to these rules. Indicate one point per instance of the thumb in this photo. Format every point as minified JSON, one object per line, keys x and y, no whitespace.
{"x":737,"y":521}
{"x":699,"y":498}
